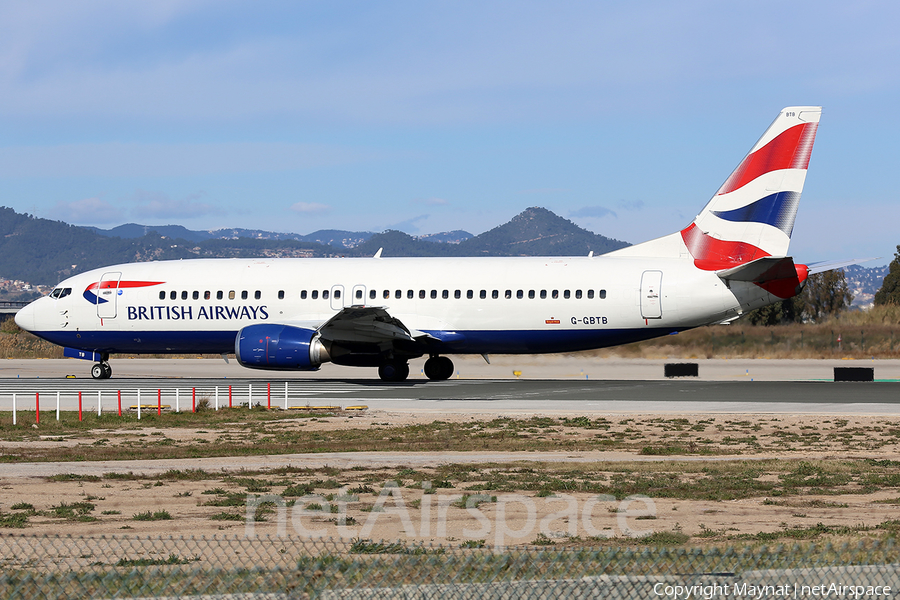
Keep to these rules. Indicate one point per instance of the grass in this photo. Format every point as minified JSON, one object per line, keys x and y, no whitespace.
{"x":242,"y":432}
{"x":159,"y":515}
{"x":173,"y":559}
{"x":871,"y":334}
{"x":227,"y":516}
{"x":13,"y":520}
{"x":359,"y":546}
{"x":77,"y":511}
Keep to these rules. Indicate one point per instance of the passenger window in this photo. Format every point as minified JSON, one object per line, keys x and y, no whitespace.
{"x":303,"y":294}
{"x":184,"y":295}
{"x":410,"y":294}
{"x":359,"y":294}
{"x":337,"y":293}
{"x":421,"y":294}
{"x":162,"y":295}
{"x":387,"y":294}
{"x":543,"y":294}
{"x":281,"y":294}
{"x":508,"y":294}
{"x":482,"y":294}
{"x":520,"y":294}
{"x":495,"y":294}
{"x":315,"y":294}
{"x":590,"y":293}
{"x":231,"y":294}
{"x":398,"y":294}
{"x":173,"y":295}
{"x":445,"y":294}
{"x":567,"y":294}
{"x":324,"y":294}
{"x":207,"y":295}
{"x":372,"y":294}
{"x":257,"y":295}
{"x":433,"y":294}
{"x":195,"y":295}
{"x":470,"y":294}
{"x":531,"y":294}
{"x":578,"y":294}
{"x":555,"y":294}
{"x":244,"y":295}
{"x":603,"y":294}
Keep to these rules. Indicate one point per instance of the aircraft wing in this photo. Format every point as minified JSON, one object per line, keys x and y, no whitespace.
{"x":364,"y":324}
{"x":367,"y":335}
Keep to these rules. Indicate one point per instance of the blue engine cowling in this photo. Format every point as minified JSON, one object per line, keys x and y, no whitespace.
{"x":272,"y":346}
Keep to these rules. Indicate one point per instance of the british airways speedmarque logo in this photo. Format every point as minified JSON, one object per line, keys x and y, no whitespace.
{"x":93,"y":298}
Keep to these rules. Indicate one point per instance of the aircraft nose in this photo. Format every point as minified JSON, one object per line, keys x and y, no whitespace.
{"x":25,"y":317}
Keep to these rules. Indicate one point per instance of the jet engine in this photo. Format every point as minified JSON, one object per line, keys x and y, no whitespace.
{"x":279,"y":347}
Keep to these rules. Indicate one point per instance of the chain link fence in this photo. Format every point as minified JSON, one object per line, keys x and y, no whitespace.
{"x":290,"y":567}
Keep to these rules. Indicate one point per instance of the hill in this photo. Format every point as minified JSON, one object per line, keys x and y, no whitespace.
{"x":538,"y":232}
{"x":533,"y":232}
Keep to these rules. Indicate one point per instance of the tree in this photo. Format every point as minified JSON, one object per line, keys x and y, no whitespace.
{"x":774,"y":314}
{"x":890,"y":288}
{"x":825,"y":295}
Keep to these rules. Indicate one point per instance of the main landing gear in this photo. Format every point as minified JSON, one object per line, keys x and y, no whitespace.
{"x":438,"y":368}
{"x":394,"y":371}
{"x":101,"y":370}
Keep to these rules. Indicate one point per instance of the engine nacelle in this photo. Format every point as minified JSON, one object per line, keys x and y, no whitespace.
{"x":279,"y":347}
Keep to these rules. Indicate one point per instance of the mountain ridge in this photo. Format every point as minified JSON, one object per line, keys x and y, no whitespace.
{"x":43,"y":251}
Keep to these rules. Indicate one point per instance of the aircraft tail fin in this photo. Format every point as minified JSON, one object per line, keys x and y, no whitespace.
{"x":752,"y":214}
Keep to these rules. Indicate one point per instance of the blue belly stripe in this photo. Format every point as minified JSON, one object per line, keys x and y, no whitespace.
{"x":459,"y":342}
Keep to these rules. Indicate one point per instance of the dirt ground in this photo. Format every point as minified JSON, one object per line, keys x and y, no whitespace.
{"x":707,"y":477}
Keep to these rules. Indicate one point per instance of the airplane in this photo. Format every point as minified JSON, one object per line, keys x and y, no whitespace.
{"x":295,"y":314}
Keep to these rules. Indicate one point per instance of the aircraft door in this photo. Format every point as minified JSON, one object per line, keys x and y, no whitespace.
{"x":651,"y":307}
{"x":107,"y":295}
{"x":358,"y":296}
{"x":337,"y":297}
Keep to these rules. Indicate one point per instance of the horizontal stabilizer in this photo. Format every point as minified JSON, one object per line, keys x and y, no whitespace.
{"x":821,"y":267}
{"x":761,"y":270}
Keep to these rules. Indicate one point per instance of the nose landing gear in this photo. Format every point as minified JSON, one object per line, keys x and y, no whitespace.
{"x":101,"y":370}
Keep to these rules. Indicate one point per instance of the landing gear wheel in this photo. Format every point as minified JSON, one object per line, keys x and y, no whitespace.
{"x":438,"y":368}
{"x":394,"y":371}
{"x":101,"y":371}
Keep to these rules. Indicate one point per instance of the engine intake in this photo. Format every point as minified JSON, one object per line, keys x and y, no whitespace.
{"x":279,"y":347}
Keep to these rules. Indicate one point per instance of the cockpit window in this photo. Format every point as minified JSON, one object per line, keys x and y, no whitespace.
{"x":60,"y":292}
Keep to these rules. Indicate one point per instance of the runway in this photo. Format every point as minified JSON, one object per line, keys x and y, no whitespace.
{"x":470,"y":396}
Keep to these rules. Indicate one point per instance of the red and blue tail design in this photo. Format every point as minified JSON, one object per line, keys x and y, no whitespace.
{"x":752,"y":214}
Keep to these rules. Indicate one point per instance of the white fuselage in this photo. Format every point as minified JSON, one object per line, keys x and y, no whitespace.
{"x":469,"y":305}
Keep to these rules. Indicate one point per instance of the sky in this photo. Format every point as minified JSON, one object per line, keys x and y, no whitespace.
{"x":295,"y":116}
